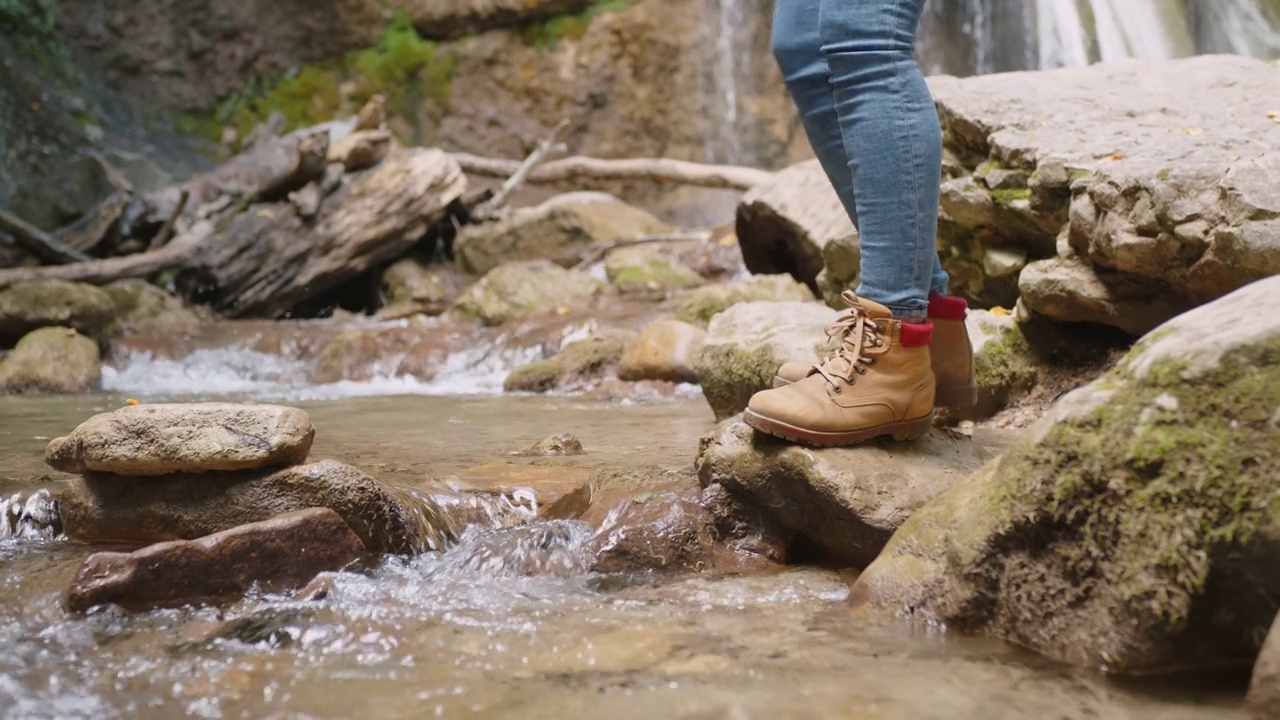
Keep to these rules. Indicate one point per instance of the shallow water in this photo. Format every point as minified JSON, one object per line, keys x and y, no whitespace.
{"x":464,"y":634}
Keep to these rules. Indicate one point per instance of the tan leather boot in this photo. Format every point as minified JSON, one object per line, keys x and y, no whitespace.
{"x":877,"y":382}
{"x":950,"y":353}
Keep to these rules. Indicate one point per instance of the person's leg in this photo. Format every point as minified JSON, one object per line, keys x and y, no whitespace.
{"x":893,"y":141}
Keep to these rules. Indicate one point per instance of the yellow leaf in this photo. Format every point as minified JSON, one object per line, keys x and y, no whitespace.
{"x":131,"y":401}
{"x":1193,"y":131}
{"x":1000,"y":312}
{"x":265,"y":213}
{"x":562,"y":311}
{"x":1274,"y":116}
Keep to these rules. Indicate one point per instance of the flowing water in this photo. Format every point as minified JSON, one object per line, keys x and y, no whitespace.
{"x":506,"y":623}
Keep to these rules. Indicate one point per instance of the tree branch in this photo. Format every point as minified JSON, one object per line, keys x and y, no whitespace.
{"x":38,"y":241}
{"x":101,"y":272}
{"x":659,"y":170}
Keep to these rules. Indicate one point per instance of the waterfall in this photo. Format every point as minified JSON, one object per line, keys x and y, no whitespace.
{"x":1074,"y":33}
{"x":1242,"y":27}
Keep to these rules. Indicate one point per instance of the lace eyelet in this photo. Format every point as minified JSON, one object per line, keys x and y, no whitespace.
{"x":871,"y":361}
{"x":839,"y":389}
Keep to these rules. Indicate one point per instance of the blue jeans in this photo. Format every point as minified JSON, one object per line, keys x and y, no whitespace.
{"x":851,"y":71}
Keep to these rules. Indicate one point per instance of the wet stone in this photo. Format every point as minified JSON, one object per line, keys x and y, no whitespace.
{"x":561,"y":445}
{"x":173,"y":438}
{"x":283,"y":553}
{"x":665,"y":532}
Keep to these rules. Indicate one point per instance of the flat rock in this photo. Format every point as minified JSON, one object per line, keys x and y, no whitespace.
{"x":184,"y":438}
{"x":281,"y":554}
{"x":662,"y":351}
{"x":703,"y":304}
{"x":784,"y":225}
{"x":102,"y":508}
{"x":847,"y":501}
{"x":52,"y":360}
{"x":746,"y":344}
{"x":557,"y":230}
{"x":518,"y":289}
{"x":55,"y":303}
{"x":1134,"y":528}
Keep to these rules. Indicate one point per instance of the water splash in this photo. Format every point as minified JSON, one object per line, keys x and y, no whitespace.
{"x":34,"y":517}
{"x":559,"y":548}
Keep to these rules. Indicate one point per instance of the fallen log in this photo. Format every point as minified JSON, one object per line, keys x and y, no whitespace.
{"x":102,"y":272}
{"x":268,"y":260}
{"x":494,"y":206}
{"x":86,"y":233}
{"x":659,"y":170}
{"x":38,"y":241}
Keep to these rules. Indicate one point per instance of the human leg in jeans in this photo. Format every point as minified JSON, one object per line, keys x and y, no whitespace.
{"x":850,"y":68}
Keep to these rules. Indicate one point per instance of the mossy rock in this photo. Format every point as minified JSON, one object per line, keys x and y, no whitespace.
{"x":519,"y":289}
{"x":841,"y":269}
{"x":1137,"y":528}
{"x":54,"y":360}
{"x":746,"y":345}
{"x":143,"y":308}
{"x":576,"y":365}
{"x":49,"y":303}
{"x":705,"y":303}
{"x":1004,"y":365}
{"x":641,"y":269}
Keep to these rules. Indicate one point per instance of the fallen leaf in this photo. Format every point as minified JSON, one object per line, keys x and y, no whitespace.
{"x":1274,"y":116}
{"x":562,"y":310}
{"x":131,"y":401}
{"x":1000,"y":312}
{"x":265,"y":213}
{"x":1193,"y":131}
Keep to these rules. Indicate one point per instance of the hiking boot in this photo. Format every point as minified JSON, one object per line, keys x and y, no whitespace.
{"x":950,"y":352}
{"x":877,"y":382}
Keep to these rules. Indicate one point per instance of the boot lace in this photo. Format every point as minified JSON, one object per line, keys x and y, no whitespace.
{"x":859,"y":335}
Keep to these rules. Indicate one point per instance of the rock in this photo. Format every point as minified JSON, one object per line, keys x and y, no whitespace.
{"x":754,"y":537}
{"x":518,"y":289}
{"x":451,"y":18}
{"x":1138,"y":181}
{"x":663,"y":351}
{"x":1003,"y":362}
{"x":51,"y":360}
{"x":705,"y":303}
{"x":101,"y":508}
{"x":50,"y":303}
{"x":644,"y":269}
{"x":412,"y":285}
{"x":747,"y":343}
{"x":665,"y":532}
{"x":576,"y":365}
{"x":560,"y":445}
{"x":1135,"y":528}
{"x":360,"y":150}
{"x":184,"y":438}
{"x":841,"y":270}
{"x":784,"y":225}
{"x":281,"y":554}
{"x":1264,"y":688}
{"x":557,"y":230}
{"x":1068,"y":290}
{"x":144,"y":309}
{"x":846,"y":501}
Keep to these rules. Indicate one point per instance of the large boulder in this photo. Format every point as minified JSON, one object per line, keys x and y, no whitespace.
{"x":50,"y":303}
{"x":1069,"y":290}
{"x":104,"y":508}
{"x":705,"y":303}
{"x":515,"y":290}
{"x":54,"y":360}
{"x":575,"y":366}
{"x":1136,"y":527}
{"x":1167,"y":190}
{"x":662,"y":351}
{"x":846,"y":501}
{"x":783,"y":225}
{"x":643,"y":269}
{"x":281,"y":554}
{"x":144,"y":309}
{"x":558,"y":230}
{"x":746,"y":344}
{"x":171,"y":438}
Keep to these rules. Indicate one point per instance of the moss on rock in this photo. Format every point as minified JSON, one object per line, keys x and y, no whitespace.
{"x":55,"y":360}
{"x":35,"y":305}
{"x":640,"y":269}
{"x":518,"y":289}
{"x":576,"y":364}
{"x":705,"y":303}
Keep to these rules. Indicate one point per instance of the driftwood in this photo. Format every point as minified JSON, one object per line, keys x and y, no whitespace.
{"x":493,"y":207}
{"x":166,"y":232}
{"x":102,"y":272}
{"x":578,"y":170}
{"x":86,"y":233}
{"x":268,"y":260}
{"x":43,"y":244}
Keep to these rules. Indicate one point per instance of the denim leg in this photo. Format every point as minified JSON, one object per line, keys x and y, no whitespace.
{"x":892,"y":139}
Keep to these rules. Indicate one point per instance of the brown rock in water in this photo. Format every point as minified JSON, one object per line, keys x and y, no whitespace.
{"x":51,"y":360}
{"x":282,"y":553}
{"x":664,"y":532}
{"x":1264,"y":688}
{"x":847,"y":501}
{"x":784,"y":225}
{"x":752,"y":536}
{"x":144,"y":309}
{"x":177,"y":438}
{"x":557,"y":230}
{"x":55,"y":303}
{"x":576,"y":365}
{"x":560,"y":445}
{"x":101,"y":508}
{"x":413,"y":285}
{"x":1135,"y":528}
{"x":663,"y":351}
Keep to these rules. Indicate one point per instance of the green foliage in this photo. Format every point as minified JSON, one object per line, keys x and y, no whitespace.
{"x":403,"y":67}
{"x":1006,"y":198}
{"x":30,"y":25}
{"x":546,"y":34}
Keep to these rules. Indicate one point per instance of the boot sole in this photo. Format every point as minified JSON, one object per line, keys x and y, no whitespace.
{"x":905,"y":430}
{"x":953,"y":397}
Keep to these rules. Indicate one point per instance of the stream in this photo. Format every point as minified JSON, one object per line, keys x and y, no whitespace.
{"x":466,"y":633}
